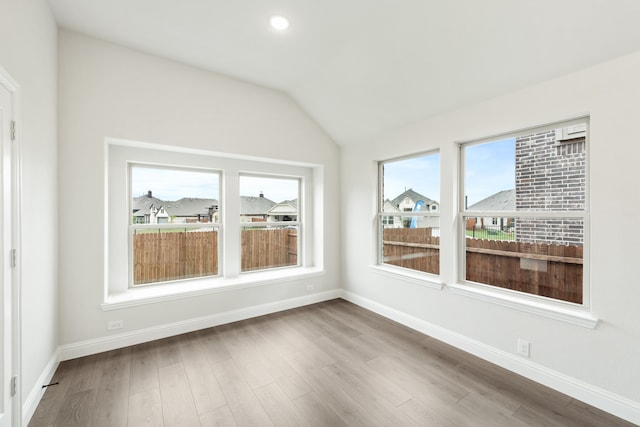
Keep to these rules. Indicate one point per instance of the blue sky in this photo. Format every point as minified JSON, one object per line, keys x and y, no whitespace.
{"x":174,"y":184}
{"x":275,"y":189}
{"x":422,"y":174}
{"x":489,"y":168}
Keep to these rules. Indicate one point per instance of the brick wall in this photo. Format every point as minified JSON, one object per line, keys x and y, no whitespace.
{"x":550,"y":176}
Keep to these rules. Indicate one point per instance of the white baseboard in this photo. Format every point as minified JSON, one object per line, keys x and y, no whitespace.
{"x":33,"y":399}
{"x":595,"y":396}
{"x":112,"y":342}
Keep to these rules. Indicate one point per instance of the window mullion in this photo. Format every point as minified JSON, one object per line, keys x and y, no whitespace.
{"x":231,"y":219}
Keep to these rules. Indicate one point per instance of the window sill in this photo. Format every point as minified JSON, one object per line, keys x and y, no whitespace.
{"x":415,"y":277}
{"x":191,"y":288}
{"x":574,"y":316}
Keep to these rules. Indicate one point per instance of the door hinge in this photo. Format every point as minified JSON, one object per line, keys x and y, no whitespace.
{"x":13,"y":130}
{"x":13,"y":258}
{"x":14,"y":385}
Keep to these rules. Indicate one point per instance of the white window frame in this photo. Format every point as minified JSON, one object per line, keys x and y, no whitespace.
{"x":418,"y":277}
{"x":298,"y":223}
{"x":579,"y":314}
{"x":135,"y":226}
{"x":120,"y":153}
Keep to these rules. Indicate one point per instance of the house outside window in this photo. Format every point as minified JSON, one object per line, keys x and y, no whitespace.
{"x":524,"y":228}
{"x":408,"y":218}
{"x":388,"y":221}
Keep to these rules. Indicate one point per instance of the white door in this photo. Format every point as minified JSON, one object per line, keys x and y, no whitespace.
{"x":6,"y":340}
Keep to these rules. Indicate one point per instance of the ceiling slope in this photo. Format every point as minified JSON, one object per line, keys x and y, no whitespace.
{"x":361,"y":68}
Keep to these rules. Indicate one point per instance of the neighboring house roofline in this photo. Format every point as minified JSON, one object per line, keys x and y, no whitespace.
{"x":414,"y":196}
{"x":282,"y":209}
{"x":504,"y":200}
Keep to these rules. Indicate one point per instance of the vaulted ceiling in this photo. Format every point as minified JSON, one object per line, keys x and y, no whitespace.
{"x":363,"y":67}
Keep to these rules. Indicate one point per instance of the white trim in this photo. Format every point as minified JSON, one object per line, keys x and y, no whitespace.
{"x":17,"y":247}
{"x":35,"y":395}
{"x":410,"y":276}
{"x":16,"y":241}
{"x":575,"y":316}
{"x":526,"y":214}
{"x":419,"y":214}
{"x":607,"y":401}
{"x":7,"y":81}
{"x":117,"y":170}
{"x":99,"y":345}
{"x":569,"y":121}
{"x":555,"y":309}
{"x":210,"y":153}
{"x":381,"y":213}
{"x":152,"y":294}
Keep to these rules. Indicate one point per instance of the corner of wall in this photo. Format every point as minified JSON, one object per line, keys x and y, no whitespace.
{"x":35,"y":394}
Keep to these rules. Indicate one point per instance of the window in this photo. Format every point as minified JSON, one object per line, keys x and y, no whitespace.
{"x":175,"y":224}
{"x":408,"y":217}
{"x":525,"y":210}
{"x":270,"y":230}
{"x":183,"y":221}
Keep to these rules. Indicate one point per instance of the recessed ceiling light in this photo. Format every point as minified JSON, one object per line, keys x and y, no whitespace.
{"x":279,"y":22}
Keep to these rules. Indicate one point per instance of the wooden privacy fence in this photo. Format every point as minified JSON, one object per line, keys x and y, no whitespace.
{"x":413,"y":248}
{"x":160,"y":257}
{"x":269,"y":248}
{"x":549,"y":270}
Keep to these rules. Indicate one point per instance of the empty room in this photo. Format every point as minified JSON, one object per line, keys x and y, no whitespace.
{"x":319,"y":213}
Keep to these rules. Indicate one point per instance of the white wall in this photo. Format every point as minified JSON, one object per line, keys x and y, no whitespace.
{"x":28,"y":52}
{"x":109,"y":91}
{"x":106,"y":90}
{"x":605,"y":358}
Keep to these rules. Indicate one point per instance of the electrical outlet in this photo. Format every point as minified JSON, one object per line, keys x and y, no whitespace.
{"x":310,"y":288}
{"x":115,"y":324}
{"x":523,"y":347}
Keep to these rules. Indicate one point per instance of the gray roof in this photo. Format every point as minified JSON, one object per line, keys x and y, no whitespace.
{"x":142,"y":204}
{"x":184,"y":207}
{"x":413,"y":196}
{"x":250,"y":205}
{"x":504,"y":200}
{"x":293,"y":202}
{"x":189,"y":206}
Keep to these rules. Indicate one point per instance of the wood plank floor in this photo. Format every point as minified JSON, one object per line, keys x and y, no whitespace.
{"x":328,"y":364}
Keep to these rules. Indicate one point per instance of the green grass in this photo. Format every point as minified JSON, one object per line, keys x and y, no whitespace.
{"x":163,"y":230}
{"x":490,"y":234}
{"x":155,"y":230}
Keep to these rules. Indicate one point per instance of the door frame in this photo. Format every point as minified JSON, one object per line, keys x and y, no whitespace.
{"x":16,"y":238}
